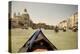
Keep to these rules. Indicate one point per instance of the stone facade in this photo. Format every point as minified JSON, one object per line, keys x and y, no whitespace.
{"x":70,"y":23}
{"x":63,"y":24}
{"x":73,"y":20}
{"x":21,"y":20}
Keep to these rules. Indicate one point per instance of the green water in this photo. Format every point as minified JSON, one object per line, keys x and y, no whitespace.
{"x":62,"y":40}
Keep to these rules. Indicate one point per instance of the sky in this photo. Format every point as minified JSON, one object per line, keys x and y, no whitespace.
{"x":48,"y":13}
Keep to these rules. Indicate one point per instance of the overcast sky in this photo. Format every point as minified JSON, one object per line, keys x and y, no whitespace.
{"x":47,"y":13}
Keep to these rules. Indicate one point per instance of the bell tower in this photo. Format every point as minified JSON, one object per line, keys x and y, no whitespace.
{"x":25,"y":11}
{"x":14,"y":15}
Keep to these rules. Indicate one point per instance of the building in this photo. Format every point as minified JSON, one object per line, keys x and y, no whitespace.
{"x":63,"y":24}
{"x":71,"y":23}
{"x":21,"y":20}
{"x":73,"y":20}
